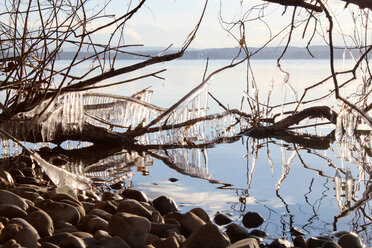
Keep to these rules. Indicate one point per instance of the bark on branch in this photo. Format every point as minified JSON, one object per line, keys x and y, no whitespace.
{"x":297,"y":3}
{"x":282,"y":125}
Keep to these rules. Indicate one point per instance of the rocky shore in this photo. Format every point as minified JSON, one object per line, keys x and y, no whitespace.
{"x":35,"y":213}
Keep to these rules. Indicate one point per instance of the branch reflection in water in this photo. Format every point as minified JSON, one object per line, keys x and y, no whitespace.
{"x":335,"y":170}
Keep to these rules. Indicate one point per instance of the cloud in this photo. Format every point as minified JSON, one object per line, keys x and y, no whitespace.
{"x":133,"y":34}
{"x":181,"y":194}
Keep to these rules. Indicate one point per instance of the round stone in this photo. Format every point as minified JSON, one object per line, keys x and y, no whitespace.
{"x":41,"y":221}
{"x":221,"y":219}
{"x":350,"y":240}
{"x":252,"y":220}
{"x":134,"y":194}
{"x":165,"y":205}
{"x":7,"y":197}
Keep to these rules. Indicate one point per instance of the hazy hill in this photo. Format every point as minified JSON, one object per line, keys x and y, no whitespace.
{"x":319,"y":52}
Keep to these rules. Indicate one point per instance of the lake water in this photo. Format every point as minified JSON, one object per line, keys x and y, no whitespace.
{"x":289,"y":185}
{"x":287,"y":188}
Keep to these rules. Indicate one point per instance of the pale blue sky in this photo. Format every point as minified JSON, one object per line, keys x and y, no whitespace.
{"x":161,"y":23}
{"x":165,"y":22}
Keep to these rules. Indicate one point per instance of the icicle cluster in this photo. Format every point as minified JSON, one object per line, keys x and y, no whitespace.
{"x":73,"y":112}
{"x":223,"y":125}
{"x":124,"y":112}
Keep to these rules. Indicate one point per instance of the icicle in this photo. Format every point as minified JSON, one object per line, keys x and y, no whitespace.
{"x":338,"y":181}
{"x":349,"y":183}
{"x":350,"y":125}
{"x":339,"y":126}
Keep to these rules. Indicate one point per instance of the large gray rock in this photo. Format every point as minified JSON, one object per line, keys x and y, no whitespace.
{"x":7,"y":197}
{"x":21,"y":231}
{"x":65,"y":189}
{"x":60,"y":211}
{"x":133,"y":207}
{"x":191,"y":222}
{"x":11,"y":211}
{"x":245,"y":243}
{"x":131,"y":228}
{"x":41,"y":221}
{"x":208,"y":236}
{"x":165,"y":205}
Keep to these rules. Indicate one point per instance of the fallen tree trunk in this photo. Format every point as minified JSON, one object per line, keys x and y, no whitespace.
{"x":284,"y":124}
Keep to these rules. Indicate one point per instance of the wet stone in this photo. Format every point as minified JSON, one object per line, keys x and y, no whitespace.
{"x":299,"y":241}
{"x":101,"y":213}
{"x":11,"y":211}
{"x":131,"y":228}
{"x":252,"y":220}
{"x":236,"y":232}
{"x":101,"y":234}
{"x":349,"y":240}
{"x":165,"y":205}
{"x":41,"y":221}
{"x":221,"y":219}
{"x":60,"y":211}
{"x":331,"y":244}
{"x":296,"y":231}
{"x":133,"y":207}
{"x":25,"y":234}
{"x":258,"y":233}
{"x":208,"y":236}
{"x":72,"y":241}
{"x":280,"y":243}
{"x":96,"y":223}
{"x":107,"y":206}
{"x":317,"y":241}
{"x":134,"y":194}
{"x":191,"y":222}
{"x":108,"y":195}
{"x":6,"y":176}
{"x":245,"y":243}
{"x":162,"y":230}
{"x":201,"y":214}
{"x":113,"y":242}
{"x":7,"y":197}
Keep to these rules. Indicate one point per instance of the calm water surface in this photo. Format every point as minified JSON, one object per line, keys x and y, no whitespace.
{"x":287,"y":188}
{"x":287,"y":184}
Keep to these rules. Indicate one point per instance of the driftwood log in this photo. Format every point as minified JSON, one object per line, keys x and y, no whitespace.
{"x":283,"y":125}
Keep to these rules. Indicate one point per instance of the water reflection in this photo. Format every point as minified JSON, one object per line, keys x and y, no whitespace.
{"x":330,"y":172}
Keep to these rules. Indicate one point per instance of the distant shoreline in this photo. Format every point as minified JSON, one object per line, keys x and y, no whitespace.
{"x":292,"y":53}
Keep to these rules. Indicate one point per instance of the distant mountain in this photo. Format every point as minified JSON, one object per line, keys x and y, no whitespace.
{"x":318,"y":52}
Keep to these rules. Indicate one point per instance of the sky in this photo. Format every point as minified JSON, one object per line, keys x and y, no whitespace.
{"x":164,"y":22}
{"x":161,"y":23}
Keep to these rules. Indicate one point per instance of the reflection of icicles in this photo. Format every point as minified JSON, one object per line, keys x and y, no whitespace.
{"x":189,"y":162}
{"x":338,"y":188}
{"x":349,"y":183}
